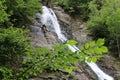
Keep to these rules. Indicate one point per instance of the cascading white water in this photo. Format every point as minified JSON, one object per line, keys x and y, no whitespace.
{"x":49,"y":19}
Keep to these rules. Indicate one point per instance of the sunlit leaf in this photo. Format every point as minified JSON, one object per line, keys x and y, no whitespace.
{"x":94,"y":59}
{"x":71,"y":42}
{"x":82,"y":48}
{"x":97,"y":50}
{"x":89,"y":59}
{"x":92,"y":43}
{"x":86,"y":45}
{"x":100,"y":42}
{"x":91,"y":51}
{"x":104,"y":49}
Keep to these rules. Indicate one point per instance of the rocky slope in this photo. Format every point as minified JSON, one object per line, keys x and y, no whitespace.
{"x":72,"y":28}
{"x":78,"y":32}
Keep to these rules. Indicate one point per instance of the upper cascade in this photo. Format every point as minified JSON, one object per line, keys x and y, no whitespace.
{"x":49,"y":19}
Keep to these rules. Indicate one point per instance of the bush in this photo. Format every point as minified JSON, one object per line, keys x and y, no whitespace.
{"x":12,"y":44}
{"x":104,"y":22}
{"x":3,"y":14}
{"x":76,"y":7}
{"x":5,"y":73}
{"x":17,"y":12}
{"x":60,"y":57}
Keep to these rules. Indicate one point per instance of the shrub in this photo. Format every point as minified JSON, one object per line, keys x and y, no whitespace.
{"x":12,"y":44}
{"x":5,"y":73}
{"x":104,"y":22}
{"x":4,"y":15}
{"x":60,"y":57}
{"x":76,"y":7}
{"x":17,"y":12}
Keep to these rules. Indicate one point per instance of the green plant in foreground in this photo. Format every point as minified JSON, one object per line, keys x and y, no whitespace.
{"x":43,"y":59}
{"x":105,"y":22}
{"x":5,"y":73}
{"x":60,"y":57}
{"x":93,"y":50}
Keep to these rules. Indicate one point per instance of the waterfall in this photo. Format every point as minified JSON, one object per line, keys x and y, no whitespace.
{"x":49,"y":19}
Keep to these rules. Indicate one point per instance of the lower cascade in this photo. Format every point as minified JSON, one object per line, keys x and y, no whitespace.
{"x":49,"y":19}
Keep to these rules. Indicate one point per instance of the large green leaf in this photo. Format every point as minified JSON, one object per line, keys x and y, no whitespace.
{"x":100,"y":42}
{"x":91,"y":51}
{"x":86,"y":45}
{"x":97,"y":50}
{"x":104,"y":49}
{"x":72,"y":42}
{"x":94,"y":59}
{"x":82,"y":48}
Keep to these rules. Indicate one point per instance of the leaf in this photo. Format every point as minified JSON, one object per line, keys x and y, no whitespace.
{"x":92,"y":43}
{"x":89,"y":59}
{"x":94,"y":59}
{"x":70,"y":69}
{"x":86,"y":45}
{"x":98,"y":50}
{"x":82,"y":55}
{"x":30,"y":72}
{"x":82,"y":48}
{"x":71,"y":42}
{"x":34,"y":74}
{"x":100,"y":42}
{"x":104,"y":49}
{"x":71,"y":59}
{"x":86,"y":52}
{"x":26,"y":76}
{"x":24,"y":62}
{"x":91,"y":51}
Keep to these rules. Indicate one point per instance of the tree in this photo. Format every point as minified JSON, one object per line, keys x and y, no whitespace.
{"x":3,"y":14}
{"x":114,"y":27}
{"x":104,"y":22}
{"x":12,"y":44}
{"x":18,"y":12}
{"x":76,"y":7}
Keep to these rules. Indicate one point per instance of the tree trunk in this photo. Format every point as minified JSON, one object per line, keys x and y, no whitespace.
{"x":118,"y":47}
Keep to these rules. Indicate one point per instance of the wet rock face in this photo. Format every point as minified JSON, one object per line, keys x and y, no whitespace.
{"x":48,"y":3}
{"x":64,"y":21}
{"x":75,"y":29}
{"x":39,"y":37}
{"x":110,"y":65}
{"x":72,"y":28}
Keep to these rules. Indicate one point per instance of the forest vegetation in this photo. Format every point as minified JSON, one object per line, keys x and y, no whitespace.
{"x":101,"y":17}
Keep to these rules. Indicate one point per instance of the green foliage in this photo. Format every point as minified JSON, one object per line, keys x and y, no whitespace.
{"x":59,"y":57}
{"x":71,"y":42}
{"x":75,"y":7}
{"x":5,"y":73}
{"x":45,"y":60}
{"x":3,"y":14}
{"x":18,"y":11}
{"x":42,"y":59}
{"x":12,"y":44}
{"x":93,"y":50}
{"x":104,"y":21}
